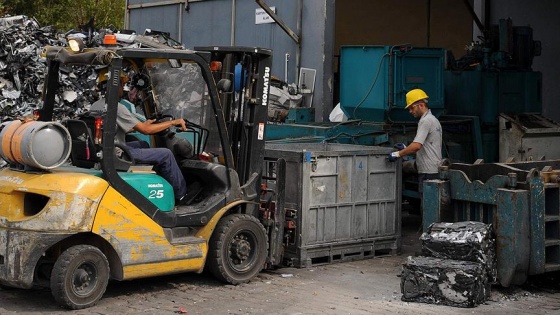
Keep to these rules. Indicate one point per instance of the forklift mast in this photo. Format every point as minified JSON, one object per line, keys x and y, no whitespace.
{"x":245,"y":109}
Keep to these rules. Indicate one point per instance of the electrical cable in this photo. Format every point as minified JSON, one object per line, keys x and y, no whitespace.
{"x":372,"y":85}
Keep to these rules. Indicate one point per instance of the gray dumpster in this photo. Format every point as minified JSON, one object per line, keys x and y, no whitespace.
{"x":343,"y":202}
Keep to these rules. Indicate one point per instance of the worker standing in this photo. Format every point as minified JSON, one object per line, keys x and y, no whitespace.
{"x":427,"y":142}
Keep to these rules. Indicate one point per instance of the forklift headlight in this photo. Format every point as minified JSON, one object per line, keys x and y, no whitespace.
{"x":76,"y":44}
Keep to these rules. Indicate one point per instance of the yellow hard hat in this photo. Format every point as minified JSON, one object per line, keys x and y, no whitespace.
{"x":414,"y":96}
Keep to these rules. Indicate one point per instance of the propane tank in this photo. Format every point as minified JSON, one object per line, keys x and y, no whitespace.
{"x":35,"y":144}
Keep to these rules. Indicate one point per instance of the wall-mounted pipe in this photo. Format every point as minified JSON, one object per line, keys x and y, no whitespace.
{"x":299,"y":30}
{"x":126,"y":16}
{"x":232,"y":37}
{"x":180,"y":18}
{"x":429,"y":22}
{"x":286,"y":60}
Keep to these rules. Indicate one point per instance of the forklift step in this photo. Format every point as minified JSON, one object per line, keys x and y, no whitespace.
{"x":182,"y":236}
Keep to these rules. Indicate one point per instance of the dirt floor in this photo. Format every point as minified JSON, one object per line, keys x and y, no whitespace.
{"x":360,"y":287}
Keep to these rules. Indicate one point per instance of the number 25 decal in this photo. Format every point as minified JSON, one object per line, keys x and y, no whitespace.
{"x":158,"y":194}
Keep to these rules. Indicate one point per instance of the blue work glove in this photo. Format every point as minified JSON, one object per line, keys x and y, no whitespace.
{"x":393,"y":156}
{"x":399,"y":146}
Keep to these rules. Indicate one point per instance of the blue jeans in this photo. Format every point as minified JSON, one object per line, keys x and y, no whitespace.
{"x":164,"y":164}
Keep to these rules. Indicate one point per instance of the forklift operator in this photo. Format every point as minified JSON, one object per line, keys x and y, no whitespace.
{"x":427,"y":142}
{"x":162,"y":158}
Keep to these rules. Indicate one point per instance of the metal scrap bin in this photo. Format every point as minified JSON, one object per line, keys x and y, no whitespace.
{"x":344,"y":201}
{"x":520,"y":200}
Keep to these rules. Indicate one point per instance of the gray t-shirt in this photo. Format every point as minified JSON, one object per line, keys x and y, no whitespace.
{"x":429,"y":134}
{"x":125,"y":123}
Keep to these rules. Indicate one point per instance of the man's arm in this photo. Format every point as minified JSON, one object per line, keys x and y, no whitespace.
{"x":149,"y":128}
{"x":421,"y":135}
{"x":410,"y":149}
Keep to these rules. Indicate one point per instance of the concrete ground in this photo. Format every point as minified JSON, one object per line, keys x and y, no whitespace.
{"x":361,"y":287}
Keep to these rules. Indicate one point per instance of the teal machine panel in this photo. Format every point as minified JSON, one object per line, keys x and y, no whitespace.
{"x":486,"y":94}
{"x":154,"y":187}
{"x":374,"y":80}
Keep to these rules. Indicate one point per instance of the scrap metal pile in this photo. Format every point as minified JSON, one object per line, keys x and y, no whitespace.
{"x":458,"y":268}
{"x":22,"y":68}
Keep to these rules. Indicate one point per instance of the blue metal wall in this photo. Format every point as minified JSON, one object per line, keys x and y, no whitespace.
{"x":161,"y":18}
{"x":209,"y":23}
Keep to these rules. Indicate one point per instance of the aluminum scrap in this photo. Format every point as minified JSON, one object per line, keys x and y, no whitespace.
{"x":444,"y":281}
{"x":466,"y":241}
{"x":22,"y":68}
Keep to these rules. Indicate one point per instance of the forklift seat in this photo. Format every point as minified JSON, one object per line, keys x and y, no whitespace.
{"x":84,"y":152}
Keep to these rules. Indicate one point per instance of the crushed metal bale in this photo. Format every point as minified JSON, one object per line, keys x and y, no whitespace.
{"x":444,"y":282}
{"x":467,"y":241}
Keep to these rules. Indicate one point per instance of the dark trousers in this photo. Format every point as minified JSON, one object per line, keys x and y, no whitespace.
{"x":164,"y":164}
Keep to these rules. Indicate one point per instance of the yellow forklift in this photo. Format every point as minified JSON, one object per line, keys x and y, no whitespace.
{"x":75,"y":226}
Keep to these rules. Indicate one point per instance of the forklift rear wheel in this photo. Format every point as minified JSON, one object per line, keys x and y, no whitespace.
{"x":237,"y":248}
{"x":79,"y":277}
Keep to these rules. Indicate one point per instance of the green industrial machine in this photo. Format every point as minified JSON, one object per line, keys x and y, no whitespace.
{"x":494,"y":77}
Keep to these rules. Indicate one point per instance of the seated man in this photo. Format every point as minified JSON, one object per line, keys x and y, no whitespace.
{"x":162,"y":158}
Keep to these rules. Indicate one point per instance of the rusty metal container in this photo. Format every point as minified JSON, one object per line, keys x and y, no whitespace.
{"x":520,"y":200}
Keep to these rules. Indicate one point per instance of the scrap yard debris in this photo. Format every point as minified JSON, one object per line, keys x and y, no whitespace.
{"x":22,"y":68}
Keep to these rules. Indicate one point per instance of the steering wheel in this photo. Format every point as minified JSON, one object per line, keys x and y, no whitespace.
{"x":161,"y":118}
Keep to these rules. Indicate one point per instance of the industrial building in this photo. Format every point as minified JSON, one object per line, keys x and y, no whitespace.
{"x":323,"y":26}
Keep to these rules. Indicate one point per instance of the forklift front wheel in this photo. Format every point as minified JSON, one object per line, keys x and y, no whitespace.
{"x":79,"y":277}
{"x":237,"y":248}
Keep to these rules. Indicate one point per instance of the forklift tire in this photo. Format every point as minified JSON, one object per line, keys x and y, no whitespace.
{"x":79,"y":277}
{"x":238,"y":249}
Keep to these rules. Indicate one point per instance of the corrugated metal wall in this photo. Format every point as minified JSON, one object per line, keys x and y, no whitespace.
{"x":209,"y":22}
